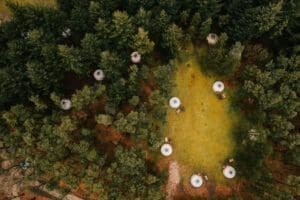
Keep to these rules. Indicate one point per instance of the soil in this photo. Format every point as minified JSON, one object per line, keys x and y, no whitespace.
{"x":281,"y":171}
{"x":173,"y":181}
{"x":146,"y":90}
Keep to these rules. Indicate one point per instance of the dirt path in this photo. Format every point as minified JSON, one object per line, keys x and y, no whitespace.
{"x":174,"y":179}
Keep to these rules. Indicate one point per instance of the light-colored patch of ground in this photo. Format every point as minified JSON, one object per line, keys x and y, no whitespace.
{"x":173,"y":180}
{"x":34,"y":2}
{"x":4,"y":12}
{"x":202,"y":134}
{"x":11,"y":183}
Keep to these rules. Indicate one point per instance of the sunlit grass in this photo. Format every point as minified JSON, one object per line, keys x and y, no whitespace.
{"x":4,"y":10}
{"x":202,"y":134}
{"x":39,"y":2}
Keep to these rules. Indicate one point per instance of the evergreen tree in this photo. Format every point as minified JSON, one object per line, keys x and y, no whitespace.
{"x":205,"y":28}
{"x":141,"y":42}
{"x":172,"y":39}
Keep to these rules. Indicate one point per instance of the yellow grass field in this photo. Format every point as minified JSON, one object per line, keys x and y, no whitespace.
{"x":4,"y":11}
{"x":202,"y":134}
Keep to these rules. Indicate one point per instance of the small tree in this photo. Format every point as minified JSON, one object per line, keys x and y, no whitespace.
{"x":72,"y":59}
{"x":122,"y":29}
{"x":172,"y":39}
{"x":158,"y":104}
{"x":195,"y":25}
{"x":143,"y":18}
{"x":87,"y":95}
{"x":164,"y":84}
{"x":104,"y":119}
{"x":127,"y":124}
{"x":39,"y":104}
{"x":141,"y":42}
{"x":205,"y":28}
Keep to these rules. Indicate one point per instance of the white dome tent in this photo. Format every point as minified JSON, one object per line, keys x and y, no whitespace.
{"x":218,"y":87}
{"x":174,"y":102}
{"x":166,"y":149}
{"x":229,"y":172}
{"x":66,"y":104}
{"x":212,"y":38}
{"x":66,"y":33}
{"x":196,"y":181}
{"x":99,"y":75}
{"x":136,"y":57}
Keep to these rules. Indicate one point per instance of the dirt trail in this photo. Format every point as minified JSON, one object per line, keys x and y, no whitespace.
{"x":174,"y":179}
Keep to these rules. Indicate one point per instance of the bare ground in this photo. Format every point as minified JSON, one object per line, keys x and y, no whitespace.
{"x":173,"y":180}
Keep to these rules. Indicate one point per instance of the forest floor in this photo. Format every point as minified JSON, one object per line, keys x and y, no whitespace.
{"x":202,"y":134}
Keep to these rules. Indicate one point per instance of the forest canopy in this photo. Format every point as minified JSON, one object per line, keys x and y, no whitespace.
{"x":50,"y":54}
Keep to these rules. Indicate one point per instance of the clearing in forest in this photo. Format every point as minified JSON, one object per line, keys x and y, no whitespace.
{"x":4,"y":11}
{"x":201,"y":135}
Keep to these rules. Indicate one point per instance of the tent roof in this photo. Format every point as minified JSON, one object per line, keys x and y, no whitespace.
{"x":99,"y":75}
{"x":218,"y":86}
{"x":229,"y":172}
{"x":66,"y":104}
{"x":136,"y":57}
{"x":196,"y":180}
{"x":174,"y":102}
{"x":166,"y":149}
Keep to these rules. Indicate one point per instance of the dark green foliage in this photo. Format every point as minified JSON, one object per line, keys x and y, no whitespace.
{"x":275,"y":89}
{"x":164,"y":79}
{"x":112,"y":65}
{"x":265,"y":189}
{"x":223,"y":61}
{"x":38,"y":59}
{"x":256,"y":54}
{"x":208,"y":8}
{"x":271,"y":99}
{"x":252,"y":20}
{"x":86,"y":95}
{"x":172,"y":39}
{"x":12,"y":91}
{"x":122,"y":29}
{"x":130,"y":166}
{"x":104,"y":119}
{"x":79,"y":21}
{"x":49,"y":140}
{"x":134,"y":101}
{"x":128,"y":123}
{"x":72,"y":59}
{"x":91,"y":49}
{"x":195,"y":25}
{"x":28,"y":17}
{"x":143,"y":18}
{"x":293,"y":157}
{"x":160,"y":22}
{"x":159,"y":110}
{"x":141,"y":42}
{"x":205,"y":28}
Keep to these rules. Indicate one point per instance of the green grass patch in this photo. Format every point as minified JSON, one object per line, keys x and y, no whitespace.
{"x":202,"y":134}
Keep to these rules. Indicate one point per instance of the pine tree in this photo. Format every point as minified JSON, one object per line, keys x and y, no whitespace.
{"x":141,"y":42}
{"x":205,"y":28}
